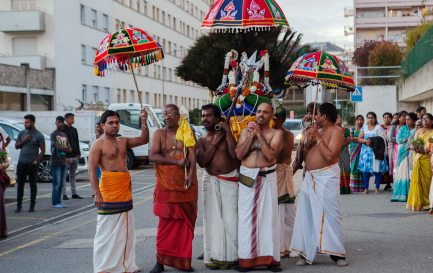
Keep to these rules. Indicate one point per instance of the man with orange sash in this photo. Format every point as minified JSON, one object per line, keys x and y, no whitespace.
{"x":258,"y":226}
{"x":114,"y":244}
{"x":175,"y":197}
{"x":216,"y":153}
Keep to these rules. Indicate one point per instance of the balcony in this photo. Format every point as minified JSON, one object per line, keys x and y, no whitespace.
{"x":389,"y":3}
{"x":404,"y":21}
{"x":35,"y":61}
{"x":22,"y":21}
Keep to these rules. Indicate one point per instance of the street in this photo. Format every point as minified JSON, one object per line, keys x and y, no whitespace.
{"x":380,"y":236}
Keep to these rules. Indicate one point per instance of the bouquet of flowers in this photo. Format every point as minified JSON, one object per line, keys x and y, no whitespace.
{"x":418,"y":143}
{"x":3,"y":156}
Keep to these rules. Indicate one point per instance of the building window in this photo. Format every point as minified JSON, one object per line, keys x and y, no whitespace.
{"x":145,"y":7}
{"x":163,"y":18}
{"x":94,"y":18}
{"x":94,"y":50}
{"x":169,"y":20}
{"x":105,"y":22}
{"x":119,"y":95}
{"x":83,"y":54}
{"x":107,"y":95}
{"x":95,"y":93}
{"x":164,"y":73}
{"x":83,"y":14}
{"x":132,"y":96}
{"x":84,"y":93}
{"x":138,"y":5}
{"x":124,"y":95}
{"x":146,"y":98}
{"x":170,"y":71}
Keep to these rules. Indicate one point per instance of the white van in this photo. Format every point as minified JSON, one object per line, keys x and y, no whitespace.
{"x":130,"y":126}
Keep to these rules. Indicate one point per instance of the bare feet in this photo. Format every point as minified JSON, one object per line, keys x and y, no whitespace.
{"x":365,"y":191}
{"x":301,"y":262}
{"x":376,"y":191}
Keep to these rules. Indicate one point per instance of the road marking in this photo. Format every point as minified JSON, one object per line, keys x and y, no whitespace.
{"x":42,"y":239}
{"x":79,"y":187}
{"x":52,"y":221}
{"x":44,"y":196}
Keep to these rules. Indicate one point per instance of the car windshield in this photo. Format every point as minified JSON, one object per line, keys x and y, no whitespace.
{"x":293,"y":125}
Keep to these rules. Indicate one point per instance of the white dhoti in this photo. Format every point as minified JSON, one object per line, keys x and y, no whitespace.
{"x":114,"y":245}
{"x":258,"y":233}
{"x":318,"y":223}
{"x":220,"y":219}
{"x":286,"y":205}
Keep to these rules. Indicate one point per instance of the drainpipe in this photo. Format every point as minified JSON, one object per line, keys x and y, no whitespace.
{"x":27,"y":79}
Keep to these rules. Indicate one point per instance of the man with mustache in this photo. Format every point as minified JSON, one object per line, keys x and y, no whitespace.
{"x":258,"y":232}
{"x":114,"y":245}
{"x":216,"y":154}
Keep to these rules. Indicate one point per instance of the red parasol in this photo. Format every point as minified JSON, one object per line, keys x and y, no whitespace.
{"x":126,"y":49}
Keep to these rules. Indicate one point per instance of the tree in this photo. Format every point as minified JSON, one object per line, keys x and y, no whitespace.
{"x":415,"y":33}
{"x":204,"y":63}
{"x":360,"y":56}
{"x":385,"y":53}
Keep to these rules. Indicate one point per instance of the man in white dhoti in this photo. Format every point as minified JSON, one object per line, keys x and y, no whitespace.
{"x":216,"y":153}
{"x":258,"y":232}
{"x":114,"y":244}
{"x":318,"y":224}
{"x":286,"y":192}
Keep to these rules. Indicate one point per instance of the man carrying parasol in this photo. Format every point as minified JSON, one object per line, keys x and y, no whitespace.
{"x":114,"y":245}
{"x":175,"y":197}
{"x":216,"y":153}
{"x":258,"y":231}
{"x":318,"y":224}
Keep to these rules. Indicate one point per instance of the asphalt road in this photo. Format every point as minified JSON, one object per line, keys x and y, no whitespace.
{"x":380,"y":236}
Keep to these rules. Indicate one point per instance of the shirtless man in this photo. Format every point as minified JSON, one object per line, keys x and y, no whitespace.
{"x":114,"y":245}
{"x":216,"y":153}
{"x":175,"y":197}
{"x":258,"y":232}
{"x":286,"y":192}
{"x":318,"y":227}
{"x":305,"y":142}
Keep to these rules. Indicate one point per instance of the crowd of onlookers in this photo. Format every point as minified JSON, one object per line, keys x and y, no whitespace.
{"x":397,"y":153}
{"x":65,"y":153}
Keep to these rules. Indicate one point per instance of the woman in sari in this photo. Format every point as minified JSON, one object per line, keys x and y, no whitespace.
{"x":368,"y":164}
{"x":344,"y":160}
{"x":402,"y":172}
{"x":355,"y":184}
{"x":421,"y":176}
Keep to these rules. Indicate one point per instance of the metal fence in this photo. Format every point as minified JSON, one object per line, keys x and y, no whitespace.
{"x":421,"y":54}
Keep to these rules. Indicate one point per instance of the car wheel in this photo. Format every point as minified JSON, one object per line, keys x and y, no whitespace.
{"x":129,"y":160}
{"x":44,"y":171}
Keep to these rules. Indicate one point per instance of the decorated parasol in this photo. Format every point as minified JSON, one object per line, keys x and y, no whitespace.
{"x":321,"y":68}
{"x":125,"y":50}
{"x":243,"y":15}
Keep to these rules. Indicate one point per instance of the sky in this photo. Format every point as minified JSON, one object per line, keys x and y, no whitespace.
{"x":319,"y":20}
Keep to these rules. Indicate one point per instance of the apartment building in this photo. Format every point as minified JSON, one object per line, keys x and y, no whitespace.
{"x":387,"y":19}
{"x":63,"y":36}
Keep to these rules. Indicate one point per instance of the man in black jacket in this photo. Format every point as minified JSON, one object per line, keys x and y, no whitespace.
{"x":72,"y":157}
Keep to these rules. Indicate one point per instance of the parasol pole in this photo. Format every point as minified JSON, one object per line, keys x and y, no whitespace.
{"x":136,"y":85}
{"x":314,"y":106}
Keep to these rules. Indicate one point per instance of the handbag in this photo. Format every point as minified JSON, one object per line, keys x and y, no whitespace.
{"x":5,"y":179}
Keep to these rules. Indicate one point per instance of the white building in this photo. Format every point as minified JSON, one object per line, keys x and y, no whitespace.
{"x":387,"y":19}
{"x":64,"y":35}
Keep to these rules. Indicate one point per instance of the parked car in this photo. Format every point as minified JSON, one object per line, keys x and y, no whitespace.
{"x":294,"y":126}
{"x":13,"y":127}
{"x":198,"y":130}
{"x":131,"y":127}
{"x":158,"y":113}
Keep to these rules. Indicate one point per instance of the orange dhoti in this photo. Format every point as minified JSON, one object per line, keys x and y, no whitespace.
{"x":176,"y":208}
